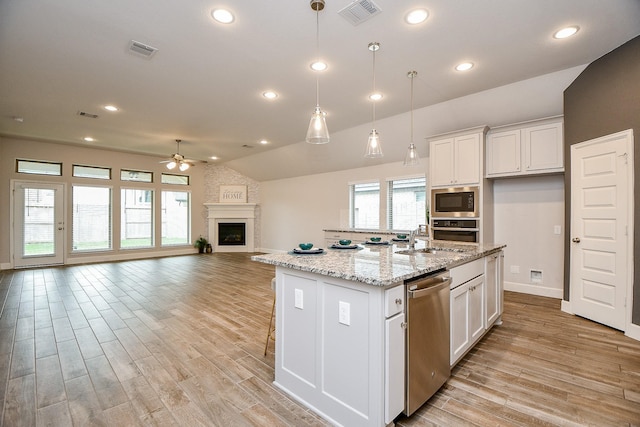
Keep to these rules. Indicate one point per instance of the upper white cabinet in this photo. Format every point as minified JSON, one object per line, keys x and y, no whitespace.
{"x":456,"y":160}
{"x":525,"y":149}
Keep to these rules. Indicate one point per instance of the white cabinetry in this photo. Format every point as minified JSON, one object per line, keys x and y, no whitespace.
{"x":455,"y":161}
{"x":467,"y":316}
{"x":394,"y":332}
{"x":494,"y":291}
{"x":340,"y":347}
{"x":525,"y":149}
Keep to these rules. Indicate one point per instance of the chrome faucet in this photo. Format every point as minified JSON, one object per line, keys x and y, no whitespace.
{"x":413,"y":235}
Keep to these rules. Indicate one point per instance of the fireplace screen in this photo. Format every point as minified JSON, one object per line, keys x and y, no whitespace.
{"x":231,"y":234}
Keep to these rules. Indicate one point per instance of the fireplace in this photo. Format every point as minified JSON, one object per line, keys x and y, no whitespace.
{"x":231,"y":226}
{"x":231,"y":234}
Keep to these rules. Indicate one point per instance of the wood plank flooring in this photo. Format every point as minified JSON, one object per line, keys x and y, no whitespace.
{"x":179,"y":341}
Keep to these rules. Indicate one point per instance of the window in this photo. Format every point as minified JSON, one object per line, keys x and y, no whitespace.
{"x":91,"y":172}
{"x":407,"y":203}
{"x":176,"y":227}
{"x":91,"y":218}
{"x":39,"y":168}
{"x":365,"y":205}
{"x":138,"y":176}
{"x":136,"y":211}
{"x":168,"y":178}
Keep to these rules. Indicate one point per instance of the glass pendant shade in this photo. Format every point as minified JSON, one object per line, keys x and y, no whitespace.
{"x":412,"y":158}
{"x":171,"y":165}
{"x":318,"y":133}
{"x":374,"y":149}
{"x":184,"y":166}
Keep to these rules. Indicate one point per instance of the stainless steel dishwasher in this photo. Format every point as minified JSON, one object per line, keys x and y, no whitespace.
{"x":427,"y":344}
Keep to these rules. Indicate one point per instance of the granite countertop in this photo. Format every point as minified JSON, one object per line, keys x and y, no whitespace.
{"x":381,"y":265}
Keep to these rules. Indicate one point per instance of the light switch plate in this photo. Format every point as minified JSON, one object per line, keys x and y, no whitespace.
{"x":344,"y":313}
{"x":298,"y":299}
{"x":557,"y":229}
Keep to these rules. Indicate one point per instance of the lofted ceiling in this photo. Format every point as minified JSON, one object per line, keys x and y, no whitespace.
{"x":204,"y":85}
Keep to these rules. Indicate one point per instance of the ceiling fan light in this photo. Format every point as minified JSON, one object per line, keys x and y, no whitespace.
{"x":374,"y":149}
{"x":184,"y":166}
{"x":318,"y":133}
{"x":171,"y":165}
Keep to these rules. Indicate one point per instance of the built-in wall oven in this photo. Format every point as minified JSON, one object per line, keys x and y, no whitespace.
{"x":454,"y":202}
{"x":457,"y":230}
{"x":455,"y":213}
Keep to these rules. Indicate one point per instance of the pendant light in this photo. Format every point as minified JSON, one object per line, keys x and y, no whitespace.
{"x":412,"y":159}
{"x":374,"y":149}
{"x":318,"y":133}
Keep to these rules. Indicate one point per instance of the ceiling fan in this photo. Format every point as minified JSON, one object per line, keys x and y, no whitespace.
{"x":178,"y":159}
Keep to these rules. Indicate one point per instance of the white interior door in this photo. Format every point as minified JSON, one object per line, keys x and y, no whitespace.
{"x":38,"y":224}
{"x":601,"y":209}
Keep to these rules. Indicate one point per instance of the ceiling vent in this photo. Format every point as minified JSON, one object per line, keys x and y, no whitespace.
{"x":88,"y":115}
{"x":142,"y":49}
{"x":359,"y":11}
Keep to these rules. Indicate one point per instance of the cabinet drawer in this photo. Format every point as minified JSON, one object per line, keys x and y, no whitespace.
{"x":466,"y":272}
{"x":393,"y":301}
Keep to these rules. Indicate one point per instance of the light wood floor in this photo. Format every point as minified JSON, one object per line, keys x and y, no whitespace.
{"x":180,"y":341}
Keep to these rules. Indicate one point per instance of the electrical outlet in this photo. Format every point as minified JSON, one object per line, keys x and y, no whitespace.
{"x":515,"y":269}
{"x":536,"y":276}
{"x":344,"y":313}
{"x":298,"y":299}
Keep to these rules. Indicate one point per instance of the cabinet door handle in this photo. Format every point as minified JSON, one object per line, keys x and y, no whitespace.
{"x":398,"y":301}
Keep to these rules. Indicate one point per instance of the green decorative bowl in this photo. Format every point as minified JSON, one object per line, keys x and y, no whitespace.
{"x":305,"y":246}
{"x":345,"y":242}
{"x":401,"y":236}
{"x":375,"y":239}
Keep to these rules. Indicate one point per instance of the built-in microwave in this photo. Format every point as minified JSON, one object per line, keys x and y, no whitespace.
{"x":454,"y":202}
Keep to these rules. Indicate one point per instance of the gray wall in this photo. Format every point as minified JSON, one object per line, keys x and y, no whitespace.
{"x":605,"y":99}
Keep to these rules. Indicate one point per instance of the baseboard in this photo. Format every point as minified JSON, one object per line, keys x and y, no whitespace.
{"x":125,"y":256}
{"x":633,"y":331}
{"x":5,"y":266}
{"x":566,"y":307}
{"x":525,"y":288}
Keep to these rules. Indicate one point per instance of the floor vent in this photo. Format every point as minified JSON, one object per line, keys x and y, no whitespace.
{"x":359,"y":11}
{"x":142,"y":49}
{"x":88,"y":115}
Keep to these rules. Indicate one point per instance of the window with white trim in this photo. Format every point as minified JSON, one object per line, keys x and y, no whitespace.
{"x":91,"y":218}
{"x":364,"y":205}
{"x":176,"y":212}
{"x":406,"y":203}
{"x":136,"y":213}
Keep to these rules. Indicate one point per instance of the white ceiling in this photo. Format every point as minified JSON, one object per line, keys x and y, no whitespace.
{"x":204,"y":85}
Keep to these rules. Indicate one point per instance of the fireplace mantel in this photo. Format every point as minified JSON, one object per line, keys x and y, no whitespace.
{"x":231,"y":212}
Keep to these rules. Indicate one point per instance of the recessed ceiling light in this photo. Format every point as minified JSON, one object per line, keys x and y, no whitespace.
{"x":88,"y":139}
{"x":214,"y":157}
{"x":264,"y":142}
{"x":270,"y":94}
{"x":465,"y":66}
{"x":223,"y":16}
{"x":111,"y":108}
{"x":375,"y":96}
{"x":416,"y":16}
{"x":566,"y":32}
{"x":319,"y":66}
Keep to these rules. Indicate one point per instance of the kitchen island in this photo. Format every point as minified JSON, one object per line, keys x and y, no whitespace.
{"x":340,"y":339}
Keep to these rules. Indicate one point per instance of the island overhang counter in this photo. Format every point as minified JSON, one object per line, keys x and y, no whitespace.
{"x":340,"y":339}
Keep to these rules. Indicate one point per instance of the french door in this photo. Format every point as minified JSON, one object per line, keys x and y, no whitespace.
{"x":38,"y":224}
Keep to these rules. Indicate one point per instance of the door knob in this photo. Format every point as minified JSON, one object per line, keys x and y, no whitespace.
{"x":576,"y":240}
